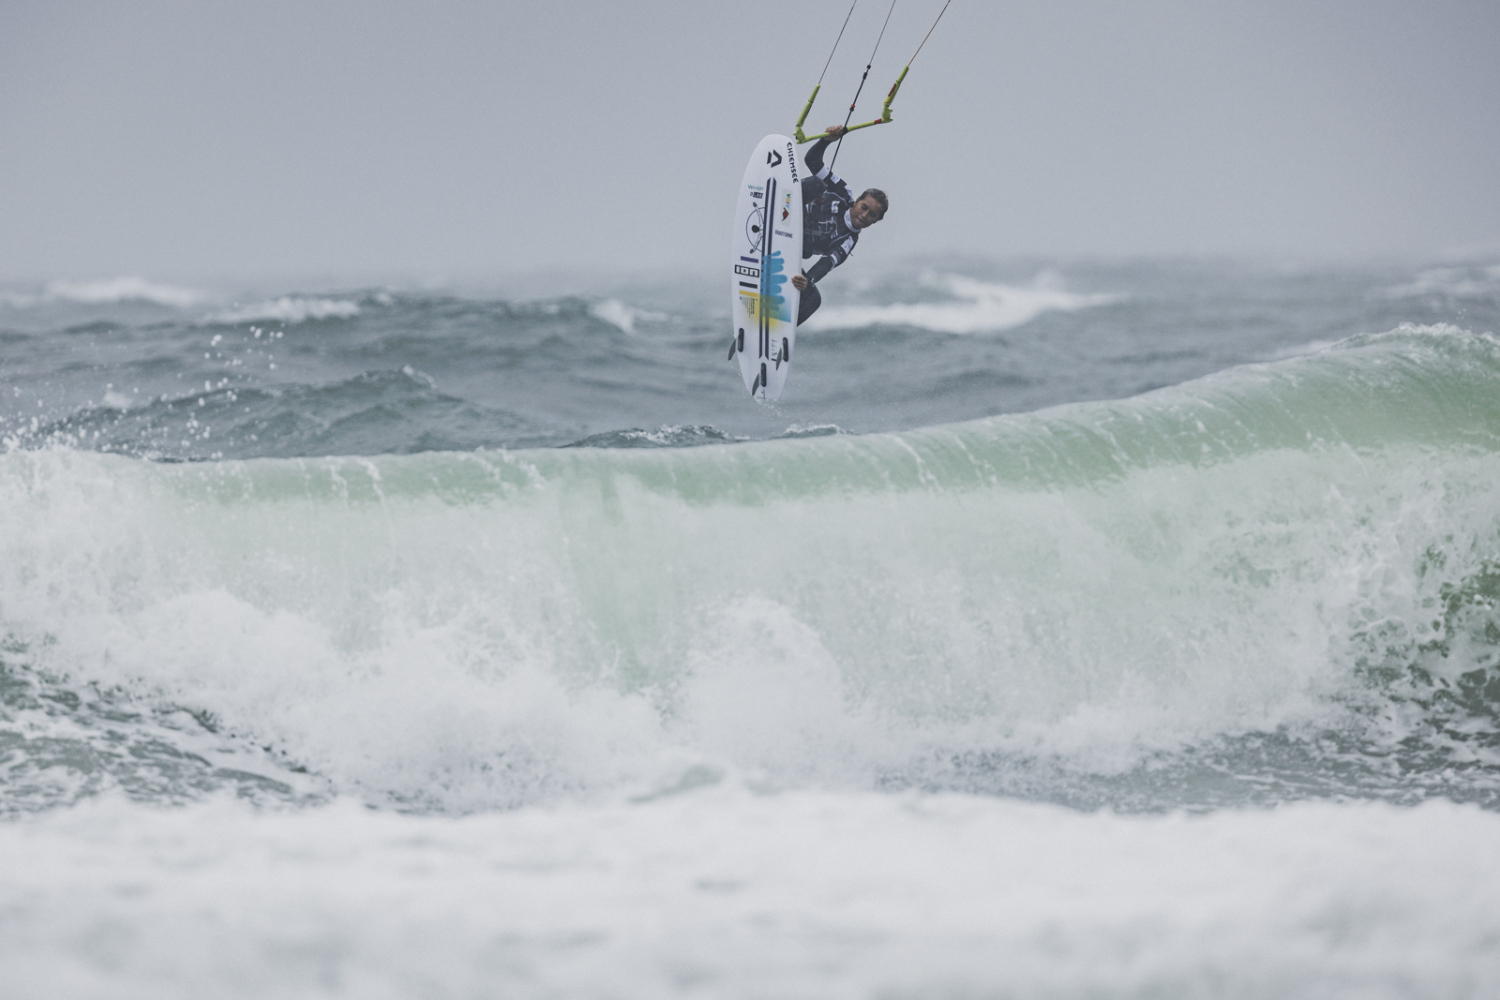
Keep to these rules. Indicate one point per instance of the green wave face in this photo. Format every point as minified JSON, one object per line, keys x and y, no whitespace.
{"x":1305,"y":547}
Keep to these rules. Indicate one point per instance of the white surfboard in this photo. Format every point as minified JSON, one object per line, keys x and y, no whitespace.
{"x":767,"y":253}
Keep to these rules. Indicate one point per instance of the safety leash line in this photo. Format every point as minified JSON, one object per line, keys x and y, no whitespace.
{"x":924,"y":37}
{"x":836,"y":45}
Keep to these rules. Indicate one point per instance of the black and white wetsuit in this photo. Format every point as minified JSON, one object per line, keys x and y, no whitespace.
{"x":828,"y":232}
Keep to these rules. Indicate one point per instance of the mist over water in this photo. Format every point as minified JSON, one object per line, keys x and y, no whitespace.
{"x":533,"y":580}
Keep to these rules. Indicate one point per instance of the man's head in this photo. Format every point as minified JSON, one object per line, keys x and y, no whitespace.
{"x":869,"y":208}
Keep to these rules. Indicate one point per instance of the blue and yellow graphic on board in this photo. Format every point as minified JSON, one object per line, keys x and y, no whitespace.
{"x":773,"y":278}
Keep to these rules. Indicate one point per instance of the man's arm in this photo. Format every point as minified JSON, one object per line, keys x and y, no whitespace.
{"x":814,"y":157}
{"x":822,"y":266}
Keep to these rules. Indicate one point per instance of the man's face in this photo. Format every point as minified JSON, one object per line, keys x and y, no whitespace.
{"x":865,"y":212}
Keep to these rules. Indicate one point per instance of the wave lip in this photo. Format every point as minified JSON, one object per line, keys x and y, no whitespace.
{"x":666,"y":436}
{"x":974,"y":306}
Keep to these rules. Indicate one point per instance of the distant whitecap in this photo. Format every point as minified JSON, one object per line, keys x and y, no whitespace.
{"x":289,"y":309}
{"x":120,"y":290}
{"x":973,"y":306}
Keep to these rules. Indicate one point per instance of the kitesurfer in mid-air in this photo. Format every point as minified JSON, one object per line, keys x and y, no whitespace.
{"x":831,"y":221}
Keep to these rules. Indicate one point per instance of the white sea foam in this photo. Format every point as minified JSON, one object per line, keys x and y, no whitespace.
{"x":289,"y":309}
{"x":116,"y":400}
{"x":1458,"y":282}
{"x":125,"y":289}
{"x":724,"y":893}
{"x":618,"y":314}
{"x":974,"y":306}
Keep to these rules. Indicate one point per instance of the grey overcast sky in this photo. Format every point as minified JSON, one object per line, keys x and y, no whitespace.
{"x":436,"y":138}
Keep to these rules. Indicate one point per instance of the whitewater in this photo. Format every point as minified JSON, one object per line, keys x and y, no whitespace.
{"x":1127,"y":630}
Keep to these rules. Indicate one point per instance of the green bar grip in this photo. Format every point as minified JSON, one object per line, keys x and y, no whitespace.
{"x":885,"y":109}
{"x":798,"y":134}
{"x":852,"y":128}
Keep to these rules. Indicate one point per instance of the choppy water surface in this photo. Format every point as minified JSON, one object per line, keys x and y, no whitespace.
{"x":512,"y":624}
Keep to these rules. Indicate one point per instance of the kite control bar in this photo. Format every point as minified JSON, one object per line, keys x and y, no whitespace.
{"x":885,"y":112}
{"x":885,"y":109}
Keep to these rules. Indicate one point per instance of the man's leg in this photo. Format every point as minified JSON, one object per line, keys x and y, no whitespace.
{"x":811,"y":299}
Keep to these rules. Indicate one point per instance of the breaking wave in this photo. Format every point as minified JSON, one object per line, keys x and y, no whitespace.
{"x":1275,"y":582}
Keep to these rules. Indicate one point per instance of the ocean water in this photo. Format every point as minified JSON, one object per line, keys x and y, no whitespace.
{"x":1065,"y":630}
